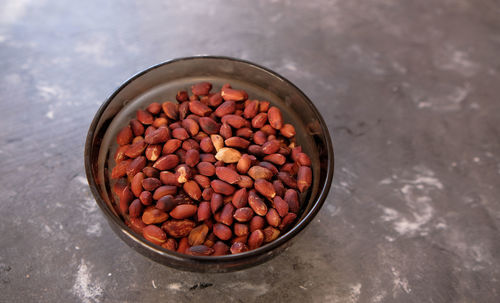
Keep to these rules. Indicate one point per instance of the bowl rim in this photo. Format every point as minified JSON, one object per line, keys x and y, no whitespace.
{"x":290,"y":234}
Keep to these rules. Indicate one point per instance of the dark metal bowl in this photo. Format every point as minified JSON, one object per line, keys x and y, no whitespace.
{"x":160,"y":83}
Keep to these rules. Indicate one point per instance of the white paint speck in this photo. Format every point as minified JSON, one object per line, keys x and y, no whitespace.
{"x":89,"y":205}
{"x":109,"y":274}
{"x":333,"y":209}
{"x":367,"y":58}
{"x":276,"y":18}
{"x":82,"y":180}
{"x":379,"y":297}
{"x":91,"y":217}
{"x":385,"y":181}
{"x":254,"y":289}
{"x":96,"y":48}
{"x":13,"y":79}
{"x":175,"y":286}
{"x":421,"y":210}
{"x":349,"y":173}
{"x":62,"y":61}
{"x":290,"y":66}
{"x":154,"y":285}
{"x":441,"y":225}
{"x":390,"y":239}
{"x":11,"y":11}
{"x":476,"y":159}
{"x":84,"y":287}
{"x":355,"y":292}
{"x":416,"y":195}
{"x":399,"y":283}
{"x":389,"y":214}
{"x":302,"y":287}
{"x":456,"y":60}
{"x":444,"y":98}
{"x":77,"y":247}
{"x":50,"y":114}
{"x":47,"y":228}
{"x":399,"y":68}
{"x":424,"y":104}
{"x":426,"y":180}
{"x":474,"y":105}
{"x":94,"y":229}
{"x":50,"y":91}
{"x":480,"y":254}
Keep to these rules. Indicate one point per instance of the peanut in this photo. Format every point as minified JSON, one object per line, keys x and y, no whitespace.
{"x":218,"y":172}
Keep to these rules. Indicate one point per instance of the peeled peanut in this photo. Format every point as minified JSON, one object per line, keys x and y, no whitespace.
{"x":154,"y":234}
{"x":197,"y":235}
{"x":183,"y":211}
{"x":222,"y":231}
{"x":304,"y":178}
{"x":228,"y":155}
{"x":228,"y":175}
{"x":275,"y":117}
{"x":153,"y":215}
{"x":238,"y":247}
{"x":215,"y":166}
{"x":256,"y":239}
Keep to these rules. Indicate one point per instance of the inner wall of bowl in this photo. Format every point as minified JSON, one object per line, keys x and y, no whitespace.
{"x":163,"y":82}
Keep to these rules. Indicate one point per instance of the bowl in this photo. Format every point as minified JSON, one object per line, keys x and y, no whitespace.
{"x":160,"y":83}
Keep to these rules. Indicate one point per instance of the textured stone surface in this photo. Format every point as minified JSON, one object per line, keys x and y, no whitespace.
{"x":409,"y":90}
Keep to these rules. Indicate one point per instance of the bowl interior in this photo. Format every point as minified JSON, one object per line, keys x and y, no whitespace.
{"x":161,"y":83}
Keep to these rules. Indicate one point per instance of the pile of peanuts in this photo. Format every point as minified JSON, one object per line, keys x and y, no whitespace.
{"x":209,"y":175}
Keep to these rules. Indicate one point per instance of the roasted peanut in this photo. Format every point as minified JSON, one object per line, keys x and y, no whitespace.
{"x":178,"y":228}
{"x":206,"y":169}
{"x":304,"y":178}
{"x":256,"y":203}
{"x":219,"y":172}
{"x":153,"y":215}
{"x":227,"y":174}
{"x":240,"y":198}
{"x":275,"y":117}
{"x":150,"y":184}
{"x":222,"y":231}
{"x":144,"y":117}
{"x":197,"y":235}
{"x":183,"y":211}
{"x":154,"y":234}
{"x":192,"y":189}
{"x":256,"y":239}
{"x":201,"y":88}
{"x":124,"y":136}
{"x":228,"y":155}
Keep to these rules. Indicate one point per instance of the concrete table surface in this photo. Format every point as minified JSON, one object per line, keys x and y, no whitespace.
{"x":409,"y":89}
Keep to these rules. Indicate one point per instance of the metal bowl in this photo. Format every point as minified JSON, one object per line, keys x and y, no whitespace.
{"x":161,"y":82}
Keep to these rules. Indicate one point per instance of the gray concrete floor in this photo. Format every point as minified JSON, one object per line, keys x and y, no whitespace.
{"x":410,"y":91}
